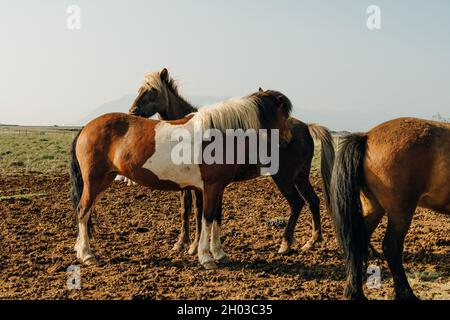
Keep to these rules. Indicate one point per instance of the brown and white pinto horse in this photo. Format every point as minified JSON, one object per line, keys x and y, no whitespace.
{"x":159,"y":95}
{"x":392,"y":169}
{"x":141,"y":150}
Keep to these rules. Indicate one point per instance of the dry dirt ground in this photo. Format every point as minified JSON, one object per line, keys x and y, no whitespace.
{"x":135,"y":231}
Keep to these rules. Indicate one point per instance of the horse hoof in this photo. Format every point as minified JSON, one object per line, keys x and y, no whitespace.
{"x":285,"y":250}
{"x":192,"y":249}
{"x":224,"y":260}
{"x":210,"y":265}
{"x":91,"y":261}
{"x":179,"y":246}
{"x":308,"y":246}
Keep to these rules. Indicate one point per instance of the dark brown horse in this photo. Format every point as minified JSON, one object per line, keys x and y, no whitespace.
{"x":159,"y":94}
{"x":149,"y":152}
{"x":392,"y":169}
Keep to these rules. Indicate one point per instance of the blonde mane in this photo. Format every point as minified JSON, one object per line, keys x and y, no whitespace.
{"x":152,"y":80}
{"x":236,"y":113}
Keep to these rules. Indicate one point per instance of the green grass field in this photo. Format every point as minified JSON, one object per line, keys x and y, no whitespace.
{"x":34,"y":149}
{"x":41,"y":150}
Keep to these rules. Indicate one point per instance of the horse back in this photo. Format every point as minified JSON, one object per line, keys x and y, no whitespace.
{"x":117,"y":140}
{"x":407,"y":160}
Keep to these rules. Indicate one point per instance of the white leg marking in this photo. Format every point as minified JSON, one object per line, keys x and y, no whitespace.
{"x":204,"y":256}
{"x":216,"y":246}
{"x":82,"y":246}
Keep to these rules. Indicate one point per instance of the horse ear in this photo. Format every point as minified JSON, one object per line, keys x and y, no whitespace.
{"x":164,"y":74}
{"x":260,"y":89}
{"x":280,"y":101}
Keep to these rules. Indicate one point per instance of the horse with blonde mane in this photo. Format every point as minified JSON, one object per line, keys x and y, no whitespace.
{"x":141,"y":150}
{"x":159,"y":94}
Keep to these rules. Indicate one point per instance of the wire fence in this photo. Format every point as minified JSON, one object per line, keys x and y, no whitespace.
{"x":42,"y":131}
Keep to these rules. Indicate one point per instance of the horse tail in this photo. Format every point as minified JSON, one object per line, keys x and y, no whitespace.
{"x":76,"y":180}
{"x":346,"y":183}
{"x":326,"y":156}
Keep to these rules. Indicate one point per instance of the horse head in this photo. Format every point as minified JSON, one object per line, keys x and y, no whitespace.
{"x":153,"y":96}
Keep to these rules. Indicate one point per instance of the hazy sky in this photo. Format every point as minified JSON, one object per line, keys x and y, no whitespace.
{"x":319,"y":53}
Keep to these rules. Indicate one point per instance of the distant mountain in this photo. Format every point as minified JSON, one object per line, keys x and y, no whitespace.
{"x":124,"y":103}
{"x":119,"y":105}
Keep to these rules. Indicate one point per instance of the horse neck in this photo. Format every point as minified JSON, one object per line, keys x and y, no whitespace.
{"x":177,"y":108}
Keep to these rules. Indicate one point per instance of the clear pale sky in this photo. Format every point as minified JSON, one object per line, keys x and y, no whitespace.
{"x":319,"y":53}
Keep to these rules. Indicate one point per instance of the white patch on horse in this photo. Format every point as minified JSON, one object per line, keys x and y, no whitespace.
{"x":161,"y":163}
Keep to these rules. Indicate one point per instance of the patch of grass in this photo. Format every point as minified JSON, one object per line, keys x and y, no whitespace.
{"x":47,"y":150}
{"x":431,"y":284}
{"x":278,"y":222}
{"x":38,"y":150}
{"x":27,"y":196}
{"x":426,"y":275}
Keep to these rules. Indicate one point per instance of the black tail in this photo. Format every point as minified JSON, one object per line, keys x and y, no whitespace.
{"x":77,"y":183}
{"x":346,"y":182}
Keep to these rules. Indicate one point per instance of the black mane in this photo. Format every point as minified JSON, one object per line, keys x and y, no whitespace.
{"x":172,"y":86}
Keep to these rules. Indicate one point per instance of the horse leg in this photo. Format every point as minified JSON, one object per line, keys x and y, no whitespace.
{"x":373,"y":213}
{"x":82,"y":247}
{"x":397,"y":228}
{"x":308,"y":193}
{"x":296,"y":203}
{"x":91,"y":191}
{"x":216,"y":246}
{"x":211,"y":199}
{"x":186,"y":208}
{"x":198,"y":221}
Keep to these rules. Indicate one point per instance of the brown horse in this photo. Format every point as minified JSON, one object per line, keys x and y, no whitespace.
{"x":144,"y":151}
{"x":392,"y":169}
{"x":159,"y":94}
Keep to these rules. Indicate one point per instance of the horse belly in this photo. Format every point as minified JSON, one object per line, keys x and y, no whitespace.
{"x":437,"y":200}
{"x":437,"y":193}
